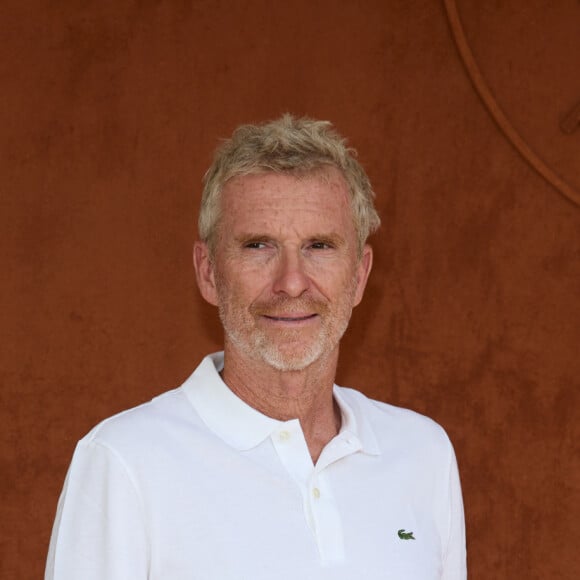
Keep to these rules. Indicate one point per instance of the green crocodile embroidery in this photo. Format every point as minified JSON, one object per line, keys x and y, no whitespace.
{"x":405,"y":535}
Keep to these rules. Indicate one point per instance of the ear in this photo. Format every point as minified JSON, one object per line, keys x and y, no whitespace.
{"x":204,"y":272}
{"x":363,"y":269}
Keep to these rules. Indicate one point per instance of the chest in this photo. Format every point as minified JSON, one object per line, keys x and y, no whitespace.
{"x":240,"y":516}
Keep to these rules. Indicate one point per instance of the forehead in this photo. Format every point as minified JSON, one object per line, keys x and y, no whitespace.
{"x":319,"y":195}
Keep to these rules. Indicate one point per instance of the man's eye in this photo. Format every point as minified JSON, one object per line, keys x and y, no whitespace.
{"x":255,"y":245}
{"x":320,"y":246}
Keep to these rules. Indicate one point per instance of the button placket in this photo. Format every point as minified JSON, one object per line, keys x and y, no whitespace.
{"x":320,"y":508}
{"x":293,"y":452}
{"x":326,"y":518}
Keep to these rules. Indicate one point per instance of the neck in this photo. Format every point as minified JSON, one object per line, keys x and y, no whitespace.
{"x":305,"y":395}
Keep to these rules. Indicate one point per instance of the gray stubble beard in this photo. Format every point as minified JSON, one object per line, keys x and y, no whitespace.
{"x":260,"y":348}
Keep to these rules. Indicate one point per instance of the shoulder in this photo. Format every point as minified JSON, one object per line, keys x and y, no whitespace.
{"x":154,"y":429}
{"x":396,"y":426}
{"x":140,"y":426}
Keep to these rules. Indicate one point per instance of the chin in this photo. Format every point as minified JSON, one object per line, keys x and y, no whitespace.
{"x":290,"y":358}
{"x":289,"y":353}
{"x":286,"y":358}
{"x":286,"y":363}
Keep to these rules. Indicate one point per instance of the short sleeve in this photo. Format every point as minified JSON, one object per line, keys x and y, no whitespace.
{"x":454,"y":563}
{"x":99,"y":531}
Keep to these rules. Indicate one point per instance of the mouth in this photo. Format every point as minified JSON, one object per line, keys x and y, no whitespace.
{"x":293,"y":318}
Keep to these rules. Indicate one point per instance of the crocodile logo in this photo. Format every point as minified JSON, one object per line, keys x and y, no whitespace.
{"x":405,"y":535}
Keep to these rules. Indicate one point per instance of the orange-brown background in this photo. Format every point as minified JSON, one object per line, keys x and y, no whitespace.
{"x":109,"y":112}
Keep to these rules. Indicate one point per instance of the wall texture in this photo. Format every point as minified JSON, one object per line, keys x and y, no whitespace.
{"x":109,"y":112}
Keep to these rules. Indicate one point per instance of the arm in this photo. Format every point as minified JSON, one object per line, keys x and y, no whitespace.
{"x":99,"y":532}
{"x":454,"y":564}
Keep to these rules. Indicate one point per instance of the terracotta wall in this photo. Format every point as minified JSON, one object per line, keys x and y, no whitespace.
{"x":109,"y":112}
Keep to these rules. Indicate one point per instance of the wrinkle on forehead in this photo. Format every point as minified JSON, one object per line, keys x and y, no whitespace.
{"x":328,"y":176}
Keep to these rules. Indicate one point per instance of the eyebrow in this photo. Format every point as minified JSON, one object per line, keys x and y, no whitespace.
{"x":245,"y":238}
{"x":332,"y":238}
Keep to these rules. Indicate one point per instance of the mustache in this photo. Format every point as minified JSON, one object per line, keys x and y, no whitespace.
{"x":284,"y":305}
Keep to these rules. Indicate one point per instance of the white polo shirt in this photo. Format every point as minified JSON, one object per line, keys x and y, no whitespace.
{"x":198,"y":485}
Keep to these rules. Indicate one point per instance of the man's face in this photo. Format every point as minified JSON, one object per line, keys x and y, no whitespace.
{"x":286,"y":272}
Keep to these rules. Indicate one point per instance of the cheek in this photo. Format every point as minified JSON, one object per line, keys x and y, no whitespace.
{"x":243,"y":288}
{"x":334,"y":282}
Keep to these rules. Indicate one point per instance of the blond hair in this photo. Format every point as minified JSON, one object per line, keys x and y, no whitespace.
{"x":287,"y":144}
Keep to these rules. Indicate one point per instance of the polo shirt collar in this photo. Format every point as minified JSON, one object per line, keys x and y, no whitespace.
{"x":355,"y":424}
{"x":243,"y":427}
{"x":230,"y":418}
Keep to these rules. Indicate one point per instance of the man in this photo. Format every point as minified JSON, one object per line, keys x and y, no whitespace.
{"x":258,"y":466}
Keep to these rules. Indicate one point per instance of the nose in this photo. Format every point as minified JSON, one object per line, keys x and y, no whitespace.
{"x":291,"y":277}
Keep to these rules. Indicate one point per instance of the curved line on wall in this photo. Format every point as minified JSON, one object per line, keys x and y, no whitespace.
{"x":495,"y":110}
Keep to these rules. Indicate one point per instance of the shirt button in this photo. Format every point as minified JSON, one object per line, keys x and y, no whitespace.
{"x":284,"y":435}
{"x":316,"y":492}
